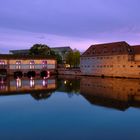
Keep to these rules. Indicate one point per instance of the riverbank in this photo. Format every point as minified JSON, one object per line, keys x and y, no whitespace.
{"x":77,"y":72}
{"x":74,"y":71}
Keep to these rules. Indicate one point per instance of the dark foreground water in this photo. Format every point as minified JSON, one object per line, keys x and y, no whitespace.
{"x":69,"y":108}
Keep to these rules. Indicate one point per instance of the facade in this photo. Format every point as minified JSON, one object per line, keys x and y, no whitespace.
{"x":63,"y":51}
{"x":117,"y":59}
{"x":11,"y":64}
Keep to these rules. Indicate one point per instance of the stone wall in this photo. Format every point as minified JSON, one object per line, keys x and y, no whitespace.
{"x":115,"y":66}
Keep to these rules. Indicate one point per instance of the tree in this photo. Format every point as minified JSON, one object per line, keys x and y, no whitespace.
{"x":69,"y":58}
{"x":57,"y":56}
{"x":39,"y":49}
{"x":44,"y":50}
{"x":73,"y":58}
{"x":76,"y":58}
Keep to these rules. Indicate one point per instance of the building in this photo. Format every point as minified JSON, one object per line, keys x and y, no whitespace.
{"x":30,"y":66}
{"x":20,"y":52}
{"x":36,"y":87}
{"x":118,"y":59}
{"x":62,"y":51}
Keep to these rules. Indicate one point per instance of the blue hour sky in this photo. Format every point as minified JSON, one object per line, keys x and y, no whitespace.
{"x":75,"y":23}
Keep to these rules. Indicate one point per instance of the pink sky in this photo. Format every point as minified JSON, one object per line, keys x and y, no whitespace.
{"x":18,"y":39}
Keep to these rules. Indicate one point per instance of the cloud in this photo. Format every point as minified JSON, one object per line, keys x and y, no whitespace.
{"x":16,"y":39}
{"x":74,"y":18}
{"x":75,"y":23}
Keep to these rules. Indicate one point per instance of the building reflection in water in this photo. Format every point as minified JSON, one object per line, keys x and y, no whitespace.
{"x":32,"y":83}
{"x":38,"y":88}
{"x":108,"y":92}
{"x":111,"y":92}
{"x":44,"y":83}
{"x":18,"y":83}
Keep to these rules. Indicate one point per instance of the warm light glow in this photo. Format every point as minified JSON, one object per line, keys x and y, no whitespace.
{"x":19,"y":83}
{"x":44,"y":83}
{"x":65,"y":82}
{"x":32,"y":82}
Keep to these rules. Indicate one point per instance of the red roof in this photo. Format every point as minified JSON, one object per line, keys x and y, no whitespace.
{"x":136,"y":49}
{"x":115,"y":48}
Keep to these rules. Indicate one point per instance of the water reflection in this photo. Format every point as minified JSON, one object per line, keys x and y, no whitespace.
{"x":18,"y":83}
{"x":113,"y":93}
{"x":108,"y":92}
{"x":38,"y":88}
{"x":32,"y":83}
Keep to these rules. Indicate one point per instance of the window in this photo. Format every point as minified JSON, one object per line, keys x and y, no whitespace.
{"x":123,"y":66}
{"x":2,"y":63}
{"x":138,"y":66}
{"x":18,"y":64}
{"x":131,"y":66}
{"x":44,"y":64}
{"x":32,"y":64}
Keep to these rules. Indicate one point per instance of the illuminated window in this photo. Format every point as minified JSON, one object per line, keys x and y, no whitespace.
{"x":2,"y":63}
{"x":44,"y":64}
{"x":18,"y":64}
{"x":32,"y":64}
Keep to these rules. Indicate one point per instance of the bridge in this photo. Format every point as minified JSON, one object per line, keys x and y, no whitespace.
{"x":29,"y":66}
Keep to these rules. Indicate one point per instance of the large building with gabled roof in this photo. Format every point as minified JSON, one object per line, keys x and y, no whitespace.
{"x":117,"y":59}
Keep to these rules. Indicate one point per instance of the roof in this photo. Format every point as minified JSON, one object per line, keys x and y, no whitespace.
{"x":136,"y":49}
{"x":115,"y":48}
{"x":20,"y":51}
{"x":66,"y":48}
{"x":11,"y":56}
{"x":26,"y":51}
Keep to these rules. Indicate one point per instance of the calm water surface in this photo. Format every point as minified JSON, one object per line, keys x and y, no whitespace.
{"x":69,"y":108}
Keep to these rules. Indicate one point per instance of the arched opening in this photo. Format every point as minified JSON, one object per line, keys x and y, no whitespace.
{"x":44,"y":74}
{"x":18,"y":74}
{"x":31,"y":74}
{"x":3,"y":72}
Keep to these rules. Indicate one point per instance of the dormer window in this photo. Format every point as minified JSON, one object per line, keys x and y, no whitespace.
{"x":105,"y":50}
{"x":93,"y":50}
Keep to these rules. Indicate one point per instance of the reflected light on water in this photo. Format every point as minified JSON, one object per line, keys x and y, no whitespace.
{"x":45,"y":83}
{"x":18,"y":83}
{"x":32,"y":82}
{"x":65,"y":82}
